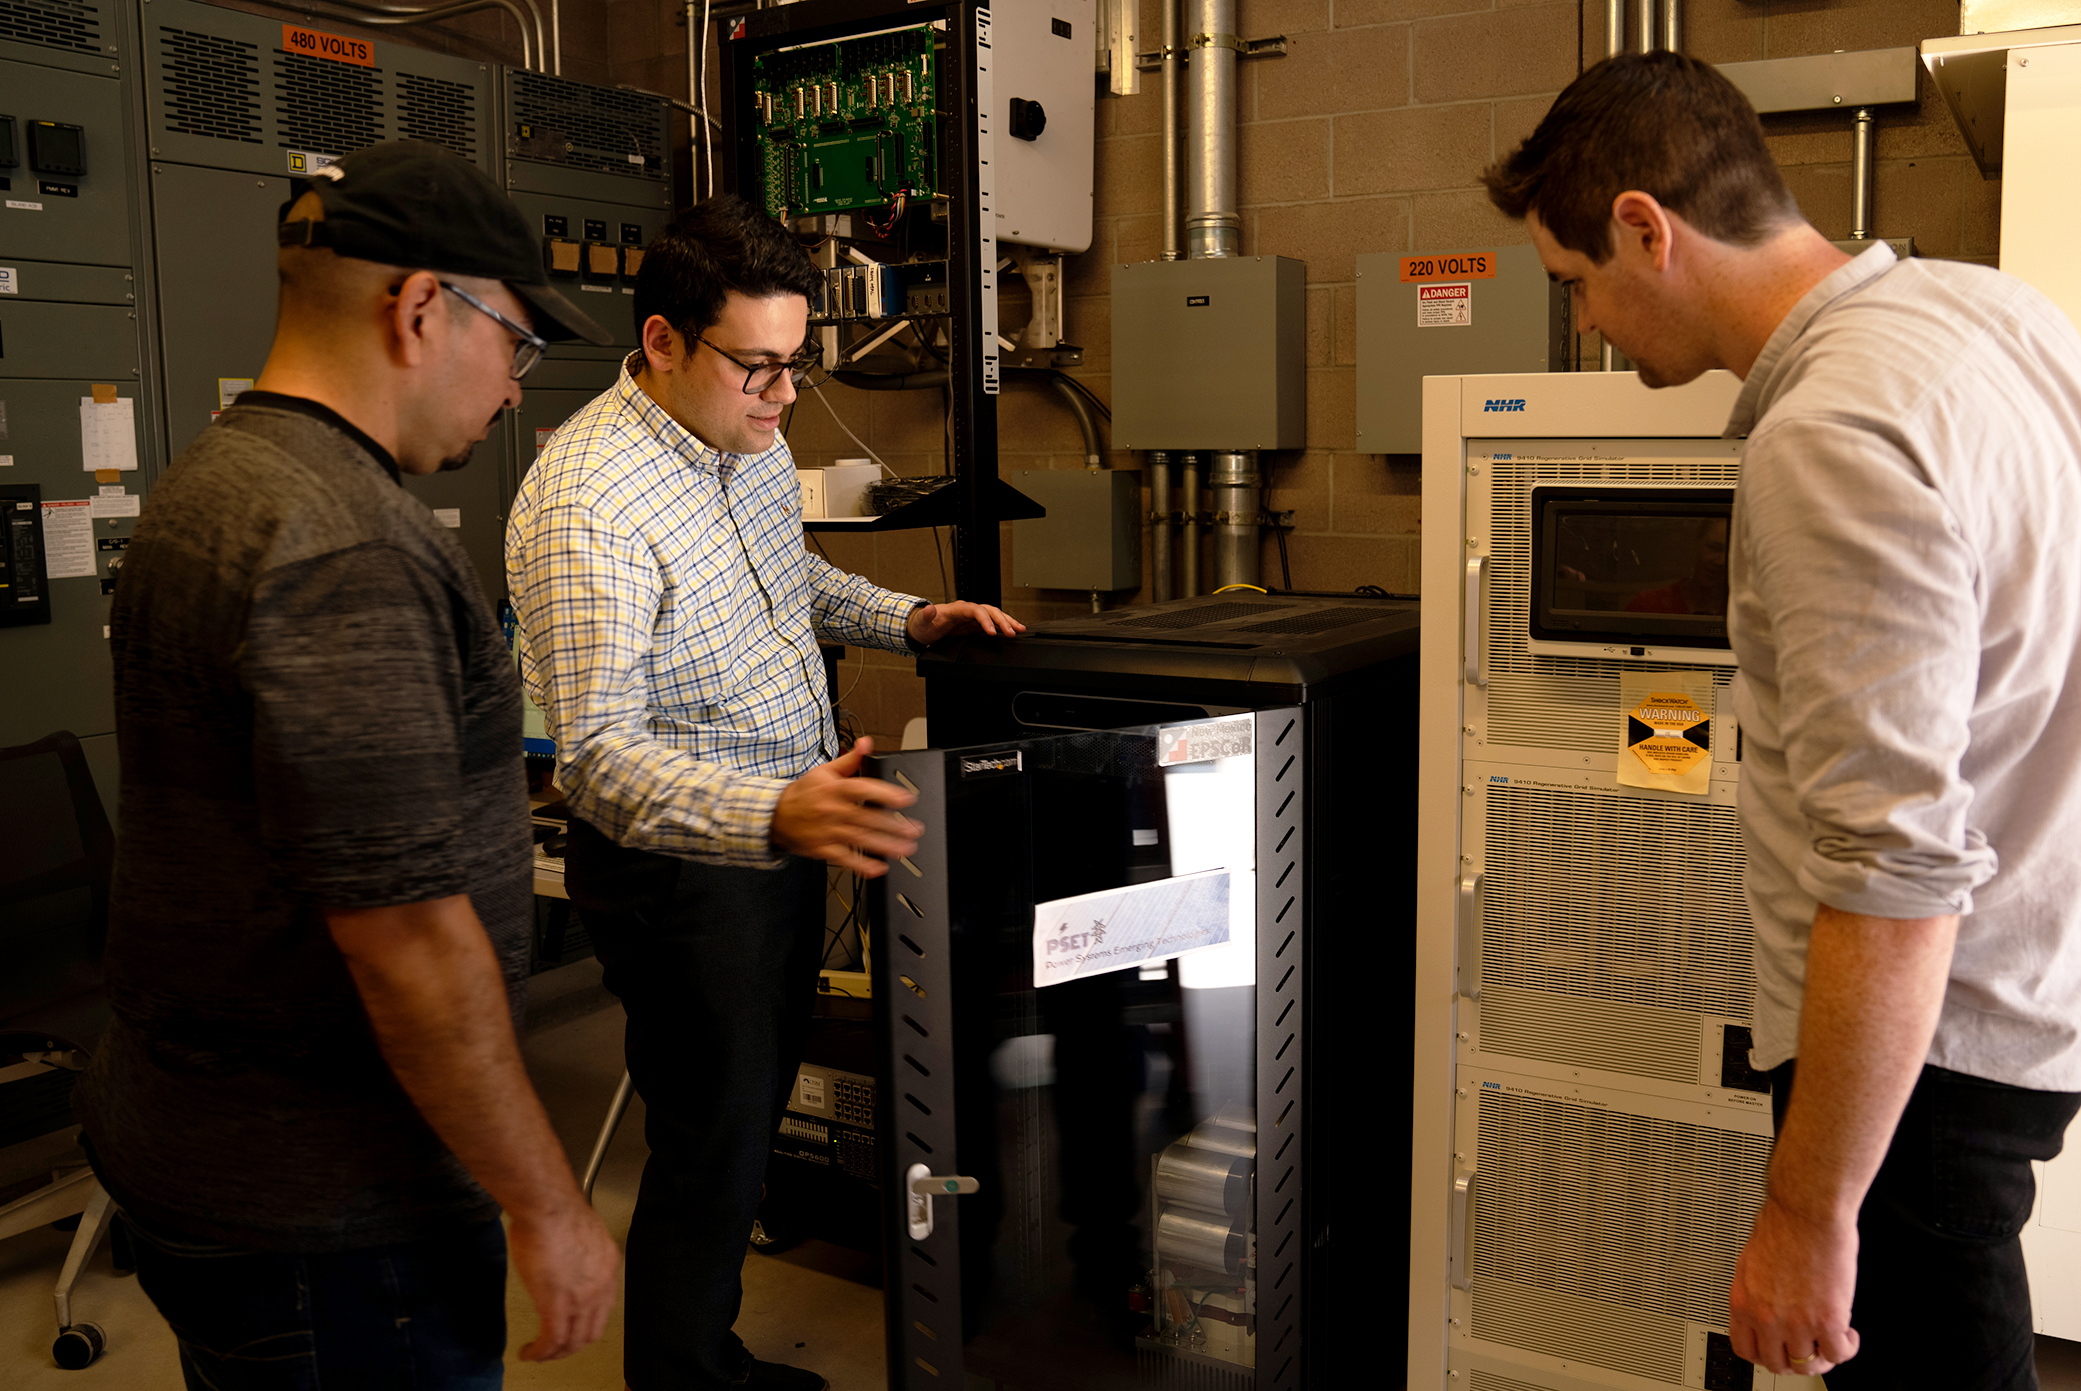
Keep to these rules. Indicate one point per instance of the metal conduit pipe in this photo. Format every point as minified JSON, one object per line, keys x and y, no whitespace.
{"x":1236,"y":486}
{"x":1161,"y":586}
{"x":1614,"y":45}
{"x":1172,"y":71}
{"x":1087,"y":420}
{"x":1673,"y":25}
{"x":1213,"y":227}
{"x":1644,"y":27}
{"x":1188,"y":502}
{"x":397,"y":17}
{"x":1863,"y":129}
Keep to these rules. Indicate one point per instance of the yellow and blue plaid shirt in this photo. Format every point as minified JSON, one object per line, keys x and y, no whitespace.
{"x":669,"y":615}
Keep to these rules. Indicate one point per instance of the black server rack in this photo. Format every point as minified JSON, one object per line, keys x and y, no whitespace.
{"x":1037,"y":1281}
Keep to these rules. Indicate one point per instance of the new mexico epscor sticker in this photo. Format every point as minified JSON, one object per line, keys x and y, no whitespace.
{"x":1668,"y":735}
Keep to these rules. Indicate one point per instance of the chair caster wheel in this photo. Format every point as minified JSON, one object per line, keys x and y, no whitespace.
{"x":78,"y":1345}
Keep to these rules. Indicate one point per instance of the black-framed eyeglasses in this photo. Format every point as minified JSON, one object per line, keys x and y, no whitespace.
{"x":759,"y":376}
{"x":527,"y":352}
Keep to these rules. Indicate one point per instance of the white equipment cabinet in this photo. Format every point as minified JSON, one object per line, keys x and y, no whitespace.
{"x":1589,"y":1145}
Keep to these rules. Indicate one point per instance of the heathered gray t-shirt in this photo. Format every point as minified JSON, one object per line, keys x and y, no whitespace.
{"x":315,"y":709}
{"x":1905,"y":599}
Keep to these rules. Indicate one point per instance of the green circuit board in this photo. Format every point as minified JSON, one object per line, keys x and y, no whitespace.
{"x":848,"y":125}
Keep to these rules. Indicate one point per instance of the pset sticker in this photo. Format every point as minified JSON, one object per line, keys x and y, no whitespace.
{"x":1667,"y":739}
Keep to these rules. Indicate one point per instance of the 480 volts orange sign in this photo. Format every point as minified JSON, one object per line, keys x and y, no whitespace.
{"x":313,"y":43}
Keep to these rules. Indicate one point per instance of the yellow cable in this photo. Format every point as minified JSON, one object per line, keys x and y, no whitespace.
{"x":1227,"y":587}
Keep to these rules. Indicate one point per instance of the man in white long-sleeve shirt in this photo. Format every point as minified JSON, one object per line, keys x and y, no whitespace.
{"x":1905,"y":602}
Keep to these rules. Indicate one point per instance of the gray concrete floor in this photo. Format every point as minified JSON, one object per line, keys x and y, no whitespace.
{"x":799,"y":1307}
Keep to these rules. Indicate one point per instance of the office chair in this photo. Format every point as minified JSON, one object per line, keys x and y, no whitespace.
{"x":54,"y":885}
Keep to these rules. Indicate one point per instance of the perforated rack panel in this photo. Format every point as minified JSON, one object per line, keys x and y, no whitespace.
{"x":223,"y":92}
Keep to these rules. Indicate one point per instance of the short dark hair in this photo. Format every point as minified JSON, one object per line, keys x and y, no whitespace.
{"x":719,"y":245}
{"x":1667,"y":125}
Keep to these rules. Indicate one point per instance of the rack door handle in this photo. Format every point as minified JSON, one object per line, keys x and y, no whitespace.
{"x":1463,"y":1230}
{"x":1477,"y":578}
{"x":1467,"y":965}
{"x":920,"y":1187}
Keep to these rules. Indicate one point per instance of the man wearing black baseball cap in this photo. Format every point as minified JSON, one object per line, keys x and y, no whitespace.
{"x":311,"y":1104}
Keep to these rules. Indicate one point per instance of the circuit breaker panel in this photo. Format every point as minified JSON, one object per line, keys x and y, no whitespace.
{"x":78,"y":441}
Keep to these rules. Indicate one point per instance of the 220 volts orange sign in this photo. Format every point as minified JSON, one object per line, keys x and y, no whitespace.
{"x":314,"y":44}
{"x":1467,"y":265}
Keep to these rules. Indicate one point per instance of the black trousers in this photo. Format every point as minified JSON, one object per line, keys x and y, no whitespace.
{"x":1942,"y":1297}
{"x":717,"y":969}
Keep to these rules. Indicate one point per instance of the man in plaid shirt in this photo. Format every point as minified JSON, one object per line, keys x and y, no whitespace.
{"x":669,"y":616}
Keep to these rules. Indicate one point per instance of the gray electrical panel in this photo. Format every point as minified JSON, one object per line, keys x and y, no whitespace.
{"x":1211,"y":354}
{"x":1438,"y":314}
{"x":239,"y":111}
{"x":1091,"y":538}
{"x":590,"y":168}
{"x":76,"y":384}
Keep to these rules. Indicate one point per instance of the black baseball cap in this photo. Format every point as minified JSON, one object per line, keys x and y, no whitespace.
{"x":417,"y":204}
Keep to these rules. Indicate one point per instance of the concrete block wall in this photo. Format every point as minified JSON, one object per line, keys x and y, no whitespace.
{"x":1368,"y":136}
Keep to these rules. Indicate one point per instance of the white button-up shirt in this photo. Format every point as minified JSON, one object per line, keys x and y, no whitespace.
{"x":1905,"y":600}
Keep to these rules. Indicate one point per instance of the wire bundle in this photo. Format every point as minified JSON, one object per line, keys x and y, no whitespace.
{"x":891,"y":493}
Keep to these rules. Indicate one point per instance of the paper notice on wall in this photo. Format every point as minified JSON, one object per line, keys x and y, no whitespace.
{"x":448,"y":516}
{"x":1445,"y":306}
{"x":107,"y":434}
{"x":229,"y":389}
{"x":1113,"y":929}
{"x":68,"y":539}
{"x":114,"y":503}
{"x":1666,"y":740}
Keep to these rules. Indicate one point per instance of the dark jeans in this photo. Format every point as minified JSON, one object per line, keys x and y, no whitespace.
{"x":426,"y":1314}
{"x":1942,"y":1298}
{"x":717,"y":968}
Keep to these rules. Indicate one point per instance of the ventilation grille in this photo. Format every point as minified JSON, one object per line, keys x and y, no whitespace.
{"x":1510,"y":551}
{"x":430,"y":108}
{"x":1320,"y":621}
{"x":52,"y":24}
{"x":1489,"y":1381}
{"x":1193,"y":618}
{"x":332,"y":108}
{"x":212,"y":85}
{"x":1167,"y":1369}
{"x":1634,"y":1212}
{"x":1581,"y":1330}
{"x":1566,"y":907}
{"x":1586,"y":1033}
{"x":583,"y":127}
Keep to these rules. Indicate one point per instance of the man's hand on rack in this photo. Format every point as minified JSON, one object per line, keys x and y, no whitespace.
{"x":833,"y":814}
{"x":931,"y":622}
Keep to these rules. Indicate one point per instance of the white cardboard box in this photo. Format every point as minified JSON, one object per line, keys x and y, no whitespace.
{"x":835,"y":490}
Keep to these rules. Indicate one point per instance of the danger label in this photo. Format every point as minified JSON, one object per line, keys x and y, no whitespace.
{"x":314,"y":43}
{"x":1444,"y":306}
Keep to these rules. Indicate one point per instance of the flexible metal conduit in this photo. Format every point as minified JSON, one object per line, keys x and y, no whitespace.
{"x":532,"y":40}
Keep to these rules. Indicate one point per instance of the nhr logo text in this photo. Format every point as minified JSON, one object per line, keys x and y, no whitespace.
{"x":1496,"y":404}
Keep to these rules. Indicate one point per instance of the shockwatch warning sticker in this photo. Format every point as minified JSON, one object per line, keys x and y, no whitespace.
{"x":1667,"y":737}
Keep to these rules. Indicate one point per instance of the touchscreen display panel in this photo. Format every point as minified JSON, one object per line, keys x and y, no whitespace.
{"x":1645,"y":565}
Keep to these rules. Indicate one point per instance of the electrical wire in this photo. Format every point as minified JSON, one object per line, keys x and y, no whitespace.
{"x":818,"y":390}
{"x":707,"y":140}
{"x":1258,"y":588}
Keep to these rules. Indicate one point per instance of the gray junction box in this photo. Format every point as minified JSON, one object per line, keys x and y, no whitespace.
{"x":1491,"y":309}
{"x":1091,"y":538}
{"x":1211,"y":354}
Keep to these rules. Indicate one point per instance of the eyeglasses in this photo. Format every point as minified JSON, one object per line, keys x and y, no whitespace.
{"x":527,"y":352}
{"x":759,"y":376}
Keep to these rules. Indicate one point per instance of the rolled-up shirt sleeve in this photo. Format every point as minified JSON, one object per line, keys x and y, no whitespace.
{"x":587,"y":592}
{"x":1873,"y":601}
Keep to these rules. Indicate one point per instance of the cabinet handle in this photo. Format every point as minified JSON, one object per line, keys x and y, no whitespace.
{"x":1477,"y":579}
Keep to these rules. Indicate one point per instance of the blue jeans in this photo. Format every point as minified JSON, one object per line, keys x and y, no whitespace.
{"x":426,"y":1314}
